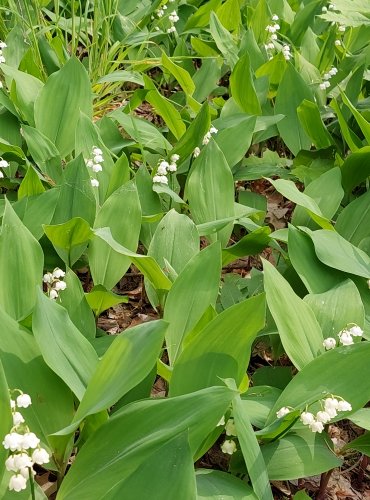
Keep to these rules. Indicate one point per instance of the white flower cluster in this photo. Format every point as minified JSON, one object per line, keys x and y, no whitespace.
{"x":163,"y":168}
{"x":345,"y":336}
{"x":325,"y":84}
{"x":3,"y":164}
{"x":229,"y":445}
{"x":24,"y":445}
{"x":95,"y":163}
{"x":207,"y":137}
{"x":3,"y":45}
{"x":54,"y":282}
{"x":286,"y":52}
{"x":330,"y":408}
{"x":272,"y":28}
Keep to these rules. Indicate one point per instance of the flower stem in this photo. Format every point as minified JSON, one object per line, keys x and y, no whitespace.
{"x":32,"y":484}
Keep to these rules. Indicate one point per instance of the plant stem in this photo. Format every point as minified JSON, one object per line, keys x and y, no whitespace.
{"x":323,"y":484}
{"x":32,"y":484}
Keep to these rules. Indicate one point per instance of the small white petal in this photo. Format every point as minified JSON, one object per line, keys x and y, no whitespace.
{"x":282,"y":412}
{"x":24,"y":401}
{"x":230,"y":428}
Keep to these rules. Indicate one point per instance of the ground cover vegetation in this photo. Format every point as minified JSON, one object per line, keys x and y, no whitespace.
{"x":185,"y":249}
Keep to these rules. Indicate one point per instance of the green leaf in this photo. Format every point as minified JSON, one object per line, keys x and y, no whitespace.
{"x":175,"y":241}
{"x":291,"y":92}
{"x":52,"y":402}
{"x":326,"y":190}
{"x":225,"y":139}
{"x":251,"y":452}
{"x":134,"y":354}
{"x":107,"y":265}
{"x":70,"y":239}
{"x":353,"y":222}
{"x":147,"y":265}
{"x":361,"y":444}
{"x":298,"y":454}
{"x":180,"y":74}
{"x":221,"y":349}
{"x":317,"y":277}
{"x":210,"y":174}
{"x":310,"y":118}
{"x":336,"y":252}
{"x":362,"y":123}
{"x":251,"y":244}
{"x":337,"y":308}
{"x":356,"y":168}
{"x":100,"y":299}
{"x":18,"y":283}
{"x":242,"y":87}
{"x":68,"y":353}
{"x":152,"y":423}
{"x":74,"y":300}
{"x":224,"y":40}
{"x":215,"y":484}
{"x":76,"y":197}
{"x":289,"y":190}
{"x":193,"y":291}
{"x":65,"y":94}
{"x":298,"y":328}
{"x":194,"y":134}
{"x":167,"y":111}
{"x":318,"y":379}
{"x":31,"y":184}
{"x":25,"y":92}
{"x":141,"y":131}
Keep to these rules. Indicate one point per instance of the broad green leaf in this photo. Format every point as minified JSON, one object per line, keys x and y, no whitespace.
{"x":242,"y":87}
{"x":361,"y":418}
{"x":151,"y":424}
{"x":100,"y":299}
{"x":31,"y":184}
{"x":336,"y":252}
{"x":150,"y":204}
{"x":257,"y":403}
{"x":193,"y":291}
{"x":361,"y":444}
{"x":229,"y":14}
{"x":147,"y":265}
{"x":225,"y":139}
{"x":133,"y":353}
{"x":221,"y":349}
{"x":122,"y":76}
{"x":141,"y":131}
{"x":201,"y":16}
{"x":309,"y":116}
{"x":68,"y":353}
{"x":74,"y":300}
{"x":25,"y":93}
{"x":316,"y":276}
{"x":44,"y":153}
{"x":69,"y":239}
{"x":206,"y":78}
{"x":356,"y":168}
{"x":65,"y":94}
{"x":175,"y":241}
{"x":215,"y":484}
{"x":361,"y":121}
{"x":194,"y":134}
{"x":224,"y":40}
{"x":290,"y":191}
{"x":52,"y":402}
{"x":157,"y":478}
{"x":21,"y":266}
{"x":6,"y":421}
{"x":318,"y":379}
{"x":76,"y":198}
{"x":180,"y":74}
{"x":327,"y":192}
{"x":211,"y":175}
{"x":298,"y":328}
{"x":251,"y":244}
{"x":108,"y":266}
{"x":353,"y":221}
{"x":298,"y":454}
{"x":167,"y":111}
{"x":349,"y":136}
{"x":251,"y":452}
{"x":337,"y":308}
{"x":291,"y":92}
